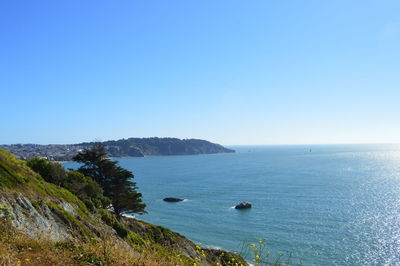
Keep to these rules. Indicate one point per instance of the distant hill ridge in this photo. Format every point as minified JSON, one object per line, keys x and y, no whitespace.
{"x":131,"y":147}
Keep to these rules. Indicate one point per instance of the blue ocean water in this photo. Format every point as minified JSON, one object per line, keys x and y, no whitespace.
{"x":333,"y":205}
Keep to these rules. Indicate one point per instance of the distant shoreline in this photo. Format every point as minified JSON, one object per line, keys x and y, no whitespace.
{"x":149,"y":156}
{"x":131,"y":147}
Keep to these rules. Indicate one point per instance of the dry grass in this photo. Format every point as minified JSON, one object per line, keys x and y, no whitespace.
{"x":17,"y":248}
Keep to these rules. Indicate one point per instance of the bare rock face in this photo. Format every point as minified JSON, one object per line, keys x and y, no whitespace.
{"x":37,"y":221}
{"x":243,"y":205}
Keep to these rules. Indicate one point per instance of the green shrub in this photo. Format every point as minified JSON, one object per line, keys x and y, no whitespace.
{"x":50,"y":171}
{"x":84,"y":187}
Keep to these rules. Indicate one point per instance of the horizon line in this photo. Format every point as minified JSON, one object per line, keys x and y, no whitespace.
{"x":264,"y":144}
{"x":337,"y":143}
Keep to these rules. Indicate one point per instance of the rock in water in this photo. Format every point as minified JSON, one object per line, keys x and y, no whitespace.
{"x":172,"y":199}
{"x":243,"y":205}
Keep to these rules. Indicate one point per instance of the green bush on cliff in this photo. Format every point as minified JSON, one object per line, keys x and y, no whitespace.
{"x":51,"y":172}
{"x":84,"y":187}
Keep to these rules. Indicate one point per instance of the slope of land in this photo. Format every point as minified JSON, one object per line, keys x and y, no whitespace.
{"x":131,"y":147}
{"x":44,"y":224}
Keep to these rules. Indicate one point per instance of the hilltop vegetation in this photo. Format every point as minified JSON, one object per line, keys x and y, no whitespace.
{"x":162,"y":146}
{"x":59,"y":218}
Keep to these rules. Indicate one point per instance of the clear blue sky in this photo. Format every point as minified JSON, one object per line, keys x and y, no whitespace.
{"x":233,"y":72}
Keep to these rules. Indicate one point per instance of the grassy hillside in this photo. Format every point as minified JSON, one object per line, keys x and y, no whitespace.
{"x":44,"y":224}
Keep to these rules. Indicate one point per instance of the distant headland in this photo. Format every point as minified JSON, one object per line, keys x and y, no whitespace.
{"x":131,"y":147}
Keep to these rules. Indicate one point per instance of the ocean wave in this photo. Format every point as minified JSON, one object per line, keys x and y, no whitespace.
{"x":209,"y":246}
{"x":130,"y":216}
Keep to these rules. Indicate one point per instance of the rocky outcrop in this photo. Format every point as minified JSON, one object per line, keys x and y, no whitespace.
{"x":173,"y":199}
{"x":243,"y":205}
{"x":39,"y":221}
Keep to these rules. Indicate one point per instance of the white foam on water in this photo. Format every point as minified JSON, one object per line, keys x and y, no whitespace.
{"x":130,"y":216}
{"x":210,"y":246}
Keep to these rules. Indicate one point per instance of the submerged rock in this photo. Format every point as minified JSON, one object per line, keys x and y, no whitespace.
{"x":172,"y":199}
{"x":243,"y":205}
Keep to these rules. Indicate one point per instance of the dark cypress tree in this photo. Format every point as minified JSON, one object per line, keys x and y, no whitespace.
{"x":121,"y":184}
{"x":94,"y":160}
{"x":116,"y":181}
